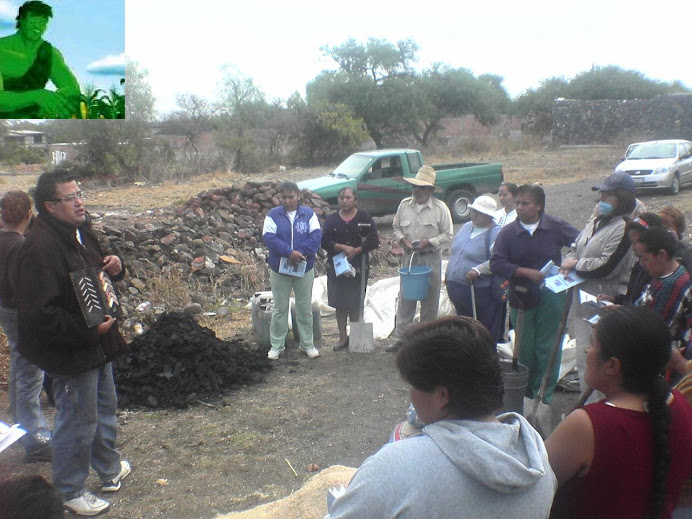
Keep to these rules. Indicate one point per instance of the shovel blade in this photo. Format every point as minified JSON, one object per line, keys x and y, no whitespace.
{"x":360,"y":338}
{"x":539,"y":415}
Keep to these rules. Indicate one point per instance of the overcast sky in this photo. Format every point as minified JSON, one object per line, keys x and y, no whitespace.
{"x":277,"y":43}
{"x":183,"y":44}
{"x":90,"y":34}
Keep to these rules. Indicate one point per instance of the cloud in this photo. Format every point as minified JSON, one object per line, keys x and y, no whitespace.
{"x":108,"y":66}
{"x":8,"y":13}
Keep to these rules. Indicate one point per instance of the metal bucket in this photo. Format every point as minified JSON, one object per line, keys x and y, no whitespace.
{"x":264,"y":318}
{"x":259,"y":299}
{"x":515,"y":387}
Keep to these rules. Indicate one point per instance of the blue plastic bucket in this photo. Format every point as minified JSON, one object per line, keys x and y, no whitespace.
{"x":415,"y":282}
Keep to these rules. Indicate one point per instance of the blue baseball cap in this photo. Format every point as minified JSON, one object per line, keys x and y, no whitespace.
{"x":618,"y":180}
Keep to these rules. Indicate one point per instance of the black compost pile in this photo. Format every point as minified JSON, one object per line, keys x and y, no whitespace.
{"x":178,"y":362}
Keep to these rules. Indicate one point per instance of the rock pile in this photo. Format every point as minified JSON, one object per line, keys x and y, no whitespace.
{"x":178,"y":363}
{"x":214,"y":240}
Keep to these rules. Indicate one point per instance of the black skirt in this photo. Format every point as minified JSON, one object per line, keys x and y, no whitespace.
{"x":344,"y":292}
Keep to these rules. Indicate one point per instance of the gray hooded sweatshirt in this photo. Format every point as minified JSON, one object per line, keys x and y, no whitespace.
{"x":455,"y":469}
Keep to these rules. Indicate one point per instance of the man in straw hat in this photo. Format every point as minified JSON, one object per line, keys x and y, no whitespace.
{"x":422,"y":225}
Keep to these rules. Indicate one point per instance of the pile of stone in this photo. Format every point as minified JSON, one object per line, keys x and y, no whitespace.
{"x":179,"y":362}
{"x":212,"y":238}
{"x":214,"y":241}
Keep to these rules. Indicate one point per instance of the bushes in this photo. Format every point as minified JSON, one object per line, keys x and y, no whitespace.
{"x":13,"y":154}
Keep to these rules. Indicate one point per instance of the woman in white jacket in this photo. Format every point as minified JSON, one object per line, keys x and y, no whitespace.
{"x":602,"y":255}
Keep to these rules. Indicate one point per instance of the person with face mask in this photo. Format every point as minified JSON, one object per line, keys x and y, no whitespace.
{"x":602,"y":254}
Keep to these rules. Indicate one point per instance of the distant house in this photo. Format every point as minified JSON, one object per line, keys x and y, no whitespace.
{"x":26,"y":138}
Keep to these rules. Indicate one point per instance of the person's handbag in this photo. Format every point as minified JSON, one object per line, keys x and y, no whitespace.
{"x":499,"y":287}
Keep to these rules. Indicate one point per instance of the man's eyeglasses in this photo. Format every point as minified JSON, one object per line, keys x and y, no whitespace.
{"x":71,"y":198}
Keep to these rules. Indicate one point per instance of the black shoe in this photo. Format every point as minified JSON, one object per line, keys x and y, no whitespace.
{"x":339,"y":347}
{"x":44,"y":455}
{"x":393,"y":348}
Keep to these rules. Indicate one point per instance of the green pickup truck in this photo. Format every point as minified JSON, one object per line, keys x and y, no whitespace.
{"x":378,"y":178}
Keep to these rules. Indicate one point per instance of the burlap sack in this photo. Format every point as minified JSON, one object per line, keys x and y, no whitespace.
{"x":308,"y":502}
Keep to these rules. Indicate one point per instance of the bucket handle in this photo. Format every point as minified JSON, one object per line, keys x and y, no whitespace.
{"x":411,"y":261}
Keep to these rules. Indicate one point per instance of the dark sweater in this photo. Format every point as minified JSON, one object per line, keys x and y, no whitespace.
{"x":515,"y":247}
{"x":10,"y":243}
{"x":53,"y":333}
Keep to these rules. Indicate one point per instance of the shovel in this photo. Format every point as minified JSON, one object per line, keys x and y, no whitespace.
{"x":360,"y":339}
{"x":540,"y":415}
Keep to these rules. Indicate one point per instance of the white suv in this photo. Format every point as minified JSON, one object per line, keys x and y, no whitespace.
{"x":659,"y":164}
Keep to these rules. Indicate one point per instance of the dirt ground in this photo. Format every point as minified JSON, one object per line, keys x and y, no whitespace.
{"x":257,"y":443}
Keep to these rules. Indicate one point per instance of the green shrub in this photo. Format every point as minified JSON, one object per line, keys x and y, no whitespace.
{"x":12,"y":154}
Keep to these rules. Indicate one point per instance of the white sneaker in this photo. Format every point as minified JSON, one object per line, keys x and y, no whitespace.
{"x":87,"y":504}
{"x":312,"y":352}
{"x":273,"y":354}
{"x":114,"y":484}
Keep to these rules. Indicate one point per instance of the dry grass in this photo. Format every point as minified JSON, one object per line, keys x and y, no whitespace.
{"x":170,"y":289}
{"x":523,"y":161}
{"x":227,"y":326}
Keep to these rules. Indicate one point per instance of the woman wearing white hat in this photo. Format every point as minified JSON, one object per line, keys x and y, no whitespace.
{"x":468,"y":267}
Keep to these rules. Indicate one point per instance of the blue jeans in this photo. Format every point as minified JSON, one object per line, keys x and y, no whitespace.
{"x":26,"y":381}
{"x":85,"y":429}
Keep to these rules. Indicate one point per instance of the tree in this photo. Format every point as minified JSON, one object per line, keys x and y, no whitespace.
{"x":140,"y":99}
{"x":375,"y":81}
{"x":241,"y":107}
{"x":444,"y":92}
{"x":610,"y":82}
{"x":192,"y":119}
{"x":280,"y":124}
{"x":536,"y":106}
{"x":324,"y":131}
{"x":613,"y":82}
{"x":64,"y":130}
{"x":500,"y":94}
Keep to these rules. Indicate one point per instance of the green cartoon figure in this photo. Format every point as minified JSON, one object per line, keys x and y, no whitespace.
{"x":27,"y":62}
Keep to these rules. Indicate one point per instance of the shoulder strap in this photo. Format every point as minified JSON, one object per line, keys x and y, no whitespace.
{"x":487,"y":240}
{"x":38,"y":73}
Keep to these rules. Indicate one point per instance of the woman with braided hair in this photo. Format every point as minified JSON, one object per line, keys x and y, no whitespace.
{"x":627,"y":455}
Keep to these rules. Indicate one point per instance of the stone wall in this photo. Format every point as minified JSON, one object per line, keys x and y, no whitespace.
{"x":607,"y":122}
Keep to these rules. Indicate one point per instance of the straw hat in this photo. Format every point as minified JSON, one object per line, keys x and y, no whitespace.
{"x":484,"y":204}
{"x":425,"y":177}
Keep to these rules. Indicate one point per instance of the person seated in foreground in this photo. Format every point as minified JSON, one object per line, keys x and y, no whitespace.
{"x":627,"y":455}
{"x":30,"y":497}
{"x":466,"y":463}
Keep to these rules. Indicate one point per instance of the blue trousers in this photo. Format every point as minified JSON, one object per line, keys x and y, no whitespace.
{"x":85,"y":429}
{"x":26,"y":381}
{"x":488,"y":311}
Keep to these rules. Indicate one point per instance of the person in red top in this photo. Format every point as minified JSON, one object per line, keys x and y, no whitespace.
{"x":629,"y":454}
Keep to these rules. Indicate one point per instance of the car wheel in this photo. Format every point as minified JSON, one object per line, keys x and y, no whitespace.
{"x":458,"y":202}
{"x":675,"y":185}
